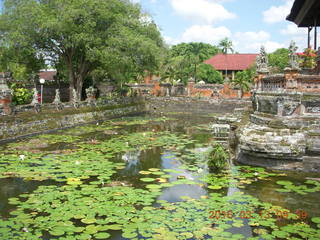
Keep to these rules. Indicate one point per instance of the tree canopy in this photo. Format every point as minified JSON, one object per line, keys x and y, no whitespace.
{"x":278,"y":60}
{"x":113,"y":38}
{"x":185,"y":60}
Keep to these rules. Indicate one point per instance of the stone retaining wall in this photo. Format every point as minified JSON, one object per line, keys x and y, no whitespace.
{"x":29,"y":122}
{"x":194,"y":105}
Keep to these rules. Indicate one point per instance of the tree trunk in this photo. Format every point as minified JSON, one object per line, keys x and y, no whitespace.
{"x":79,"y":87}
{"x":71,"y":84}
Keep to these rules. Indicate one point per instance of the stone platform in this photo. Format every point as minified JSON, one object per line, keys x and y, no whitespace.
{"x":283,"y":131}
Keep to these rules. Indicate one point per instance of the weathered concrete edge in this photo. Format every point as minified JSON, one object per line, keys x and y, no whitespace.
{"x":33,"y":128}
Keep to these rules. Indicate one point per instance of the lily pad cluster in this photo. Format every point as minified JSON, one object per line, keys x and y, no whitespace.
{"x":310,"y":186}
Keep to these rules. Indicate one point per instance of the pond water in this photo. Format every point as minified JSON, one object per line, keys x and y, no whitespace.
{"x":146,"y":177}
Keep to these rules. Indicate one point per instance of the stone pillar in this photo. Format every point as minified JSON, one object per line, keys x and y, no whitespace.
{"x":190,"y":87}
{"x":258,"y":81}
{"x":5,"y":95}
{"x":280,"y":107}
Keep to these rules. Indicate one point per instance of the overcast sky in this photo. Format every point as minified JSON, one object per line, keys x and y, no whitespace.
{"x":248,"y":23}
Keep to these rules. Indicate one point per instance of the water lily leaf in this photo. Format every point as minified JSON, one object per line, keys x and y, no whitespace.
{"x":147,"y":179}
{"x":57,"y":232}
{"x":144,"y":172}
{"x":129,"y":234}
{"x":102,"y":235}
{"x":88,"y":220}
{"x":153,"y":186}
{"x":154,"y":169}
{"x":315,"y":219}
{"x":214,"y":187}
{"x":284,"y":182}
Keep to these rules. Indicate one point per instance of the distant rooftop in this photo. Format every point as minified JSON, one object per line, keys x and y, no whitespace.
{"x":232,"y":61}
{"x":48,"y":74}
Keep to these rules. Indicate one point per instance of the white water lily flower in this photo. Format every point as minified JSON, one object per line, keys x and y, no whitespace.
{"x":256,"y":174}
{"x":22,"y":157}
{"x":77,"y":163}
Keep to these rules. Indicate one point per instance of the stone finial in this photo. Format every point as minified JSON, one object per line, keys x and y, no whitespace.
{"x":293,"y":58}
{"x":262,"y":61}
{"x":35,"y":100}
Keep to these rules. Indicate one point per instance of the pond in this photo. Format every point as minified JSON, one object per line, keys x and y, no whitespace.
{"x":146,"y":177}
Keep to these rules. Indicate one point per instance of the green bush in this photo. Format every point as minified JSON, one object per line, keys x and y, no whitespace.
{"x":21,"y":95}
{"x":217,"y":158}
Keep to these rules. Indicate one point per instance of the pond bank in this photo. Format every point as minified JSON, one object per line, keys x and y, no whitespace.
{"x":49,"y":119}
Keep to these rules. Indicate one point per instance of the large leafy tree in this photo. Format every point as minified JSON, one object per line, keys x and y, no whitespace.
{"x":226,"y":45}
{"x":84,"y":35}
{"x":187,"y":57}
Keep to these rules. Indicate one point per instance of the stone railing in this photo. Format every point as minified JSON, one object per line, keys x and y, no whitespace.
{"x":289,"y":82}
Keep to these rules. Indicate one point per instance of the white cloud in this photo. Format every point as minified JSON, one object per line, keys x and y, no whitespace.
{"x":293,"y":30}
{"x":201,"y":11}
{"x":299,"y":35}
{"x":251,"y":42}
{"x":201,"y":33}
{"x":243,"y":42}
{"x":278,"y":13}
{"x":205,"y":33}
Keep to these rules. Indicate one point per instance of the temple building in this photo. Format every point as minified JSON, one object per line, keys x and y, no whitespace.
{"x":232,"y":63}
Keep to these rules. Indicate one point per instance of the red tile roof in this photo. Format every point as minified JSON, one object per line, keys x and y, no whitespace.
{"x":232,"y":61}
{"x":47,"y":75}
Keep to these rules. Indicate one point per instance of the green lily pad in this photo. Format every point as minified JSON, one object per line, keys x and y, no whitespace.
{"x":102,"y":235}
{"x":88,"y":220}
{"x":147,"y":179}
{"x":315,"y":219}
{"x":214,"y":187}
{"x":57,"y":232}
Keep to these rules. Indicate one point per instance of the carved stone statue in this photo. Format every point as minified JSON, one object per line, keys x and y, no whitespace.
{"x":91,"y":94}
{"x":35,"y":97}
{"x":35,"y":101}
{"x":293,"y":58}
{"x":262,"y":61}
{"x":5,"y":95}
{"x":57,"y":99}
{"x":75,"y":99}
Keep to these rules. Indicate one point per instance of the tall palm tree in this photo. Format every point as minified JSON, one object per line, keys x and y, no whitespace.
{"x":226,"y":45}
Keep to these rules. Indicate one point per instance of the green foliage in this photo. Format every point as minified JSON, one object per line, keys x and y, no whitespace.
{"x":20,"y":95}
{"x":226,"y":45}
{"x":243,"y":79}
{"x":278,"y":60}
{"x":84,"y":35}
{"x":183,"y":61}
{"x":218,"y":158}
{"x":208,"y":74}
{"x":308,"y":58}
